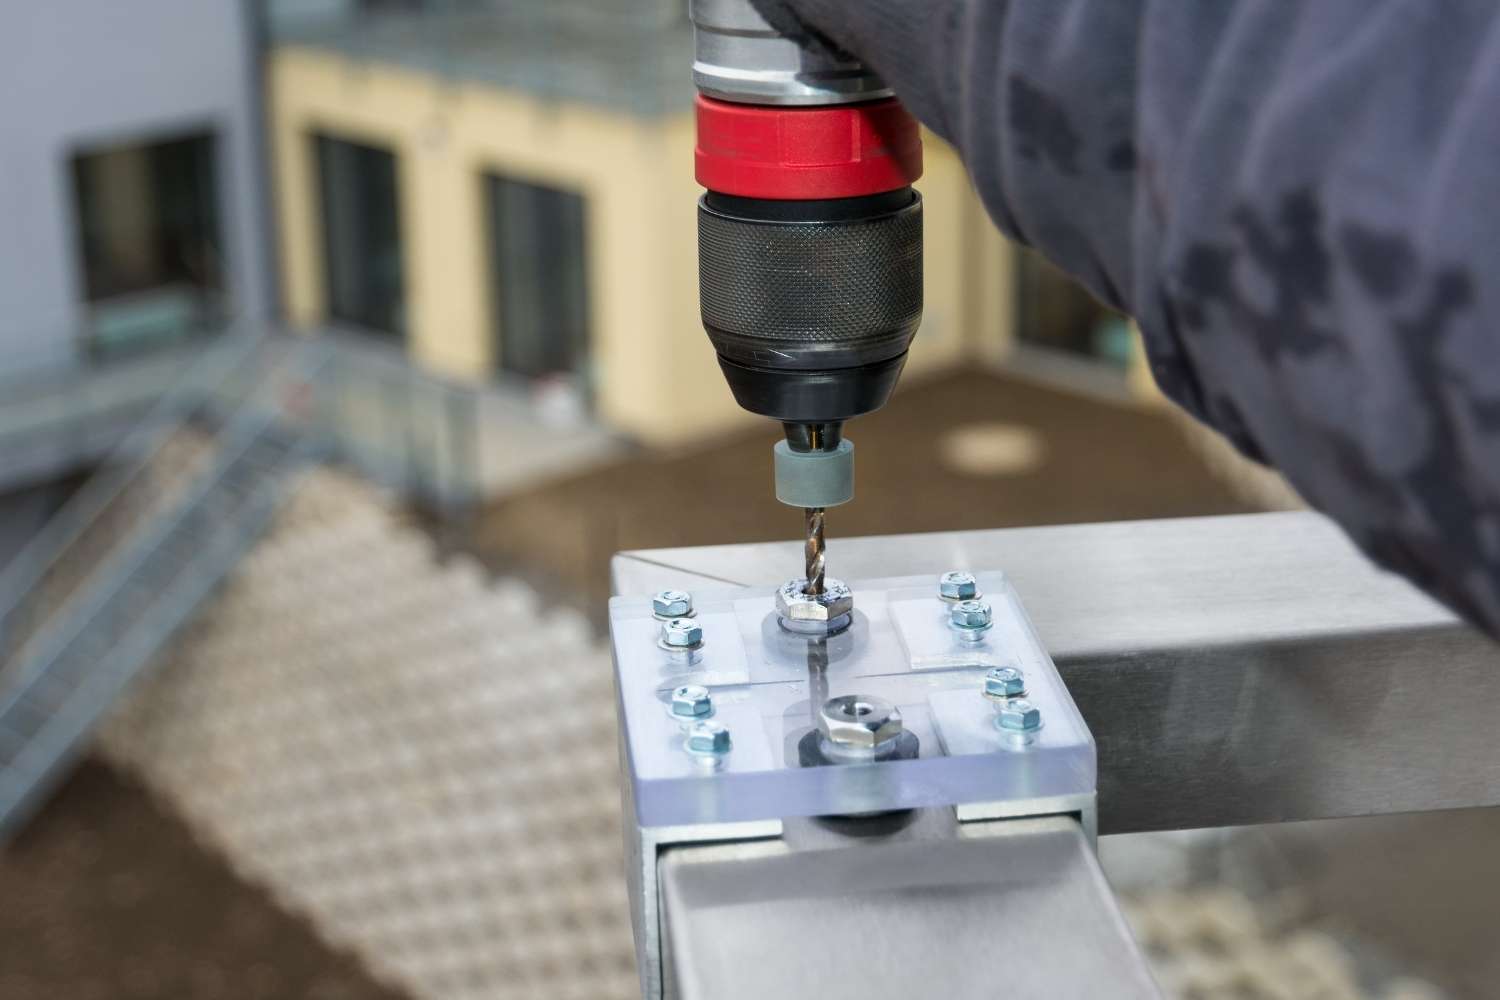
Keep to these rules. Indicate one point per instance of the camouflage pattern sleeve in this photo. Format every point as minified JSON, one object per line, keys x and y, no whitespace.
{"x":1299,"y":202}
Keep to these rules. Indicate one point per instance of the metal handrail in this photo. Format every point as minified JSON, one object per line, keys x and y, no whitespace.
{"x":261,"y":507}
{"x":444,"y":475}
{"x":33,"y":372}
{"x":119,"y":568}
{"x":129,"y":458}
{"x":244,"y":431}
{"x":48,"y":746}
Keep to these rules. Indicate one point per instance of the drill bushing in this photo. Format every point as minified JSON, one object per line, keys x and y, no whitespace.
{"x":819,"y":478}
{"x":809,"y":253}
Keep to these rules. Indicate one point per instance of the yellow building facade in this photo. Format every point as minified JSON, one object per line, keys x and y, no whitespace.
{"x":652,"y":370}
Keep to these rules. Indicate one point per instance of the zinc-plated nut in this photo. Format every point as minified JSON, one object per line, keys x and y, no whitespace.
{"x":681,"y":633}
{"x":708,"y":737}
{"x":691,"y":701}
{"x":795,"y":606}
{"x":958,"y":586}
{"x":1020,"y":716}
{"x":672,"y":604}
{"x":972,"y":615}
{"x":859,"y":722}
{"x":1004,"y":682}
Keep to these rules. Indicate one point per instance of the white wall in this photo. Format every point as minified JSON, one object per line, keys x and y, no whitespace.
{"x":79,"y":73}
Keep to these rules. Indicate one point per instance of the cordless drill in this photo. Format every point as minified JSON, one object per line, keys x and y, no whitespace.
{"x":809,"y":242}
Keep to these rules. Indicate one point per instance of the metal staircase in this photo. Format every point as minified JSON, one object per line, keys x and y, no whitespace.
{"x":90,"y":603}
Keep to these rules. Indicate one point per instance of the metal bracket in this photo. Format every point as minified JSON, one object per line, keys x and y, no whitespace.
{"x":968,"y":767}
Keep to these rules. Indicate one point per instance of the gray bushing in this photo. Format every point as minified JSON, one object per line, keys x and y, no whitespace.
{"x":815,"y":478}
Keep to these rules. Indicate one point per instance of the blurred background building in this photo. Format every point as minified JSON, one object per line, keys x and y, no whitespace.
{"x":343,"y":343}
{"x":135,"y":212}
{"x":500,"y":193}
{"x":504,"y":193}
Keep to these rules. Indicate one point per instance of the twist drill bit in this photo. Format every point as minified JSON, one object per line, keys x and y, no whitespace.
{"x":813,"y":551}
{"x":813,"y":548}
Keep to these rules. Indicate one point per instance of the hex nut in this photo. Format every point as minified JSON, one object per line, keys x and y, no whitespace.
{"x":692,"y":701}
{"x":958,"y":586}
{"x":859,"y":722}
{"x":709,"y":738}
{"x":793,"y":605}
{"x":1004,"y":682}
{"x":672,"y":604}
{"x":972,"y":615}
{"x":681,"y":633}
{"x":1020,"y":716}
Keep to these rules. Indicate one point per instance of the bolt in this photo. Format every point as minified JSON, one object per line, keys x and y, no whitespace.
{"x":681,"y":633}
{"x":1004,"y":682}
{"x":672,"y":604}
{"x":708,"y":738}
{"x":691,"y":701}
{"x":859,"y":722}
{"x":972,"y":615}
{"x":1020,"y":716}
{"x":958,"y":586}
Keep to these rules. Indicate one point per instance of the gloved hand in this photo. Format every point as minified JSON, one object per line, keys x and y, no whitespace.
{"x":1296,"y":202}
{"x":904,"y":40}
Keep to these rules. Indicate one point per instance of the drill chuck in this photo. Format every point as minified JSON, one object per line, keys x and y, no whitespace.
{"x":810,"y":253}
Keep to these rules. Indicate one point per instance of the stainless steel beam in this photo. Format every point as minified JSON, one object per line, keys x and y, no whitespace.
{"x":1245,"y":669}
{"x":1008,"y":908}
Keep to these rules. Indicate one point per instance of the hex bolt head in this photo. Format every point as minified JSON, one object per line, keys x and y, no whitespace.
{"x":958,"y":586}
{"x":681,"y":633}
{"x":1004,"y":682}
{"x":672,"y":604}
{"x":859,"y":722}
{"x":708,"y":738}
{"x":691,"y":701}
{"x":972,"y":615}
{"x":1020,"y":716}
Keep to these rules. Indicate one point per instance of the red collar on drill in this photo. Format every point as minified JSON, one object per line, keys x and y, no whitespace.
{"x":805,"y":153}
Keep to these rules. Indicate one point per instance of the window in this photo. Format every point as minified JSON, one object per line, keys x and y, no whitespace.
{"x":392,"y":6}
{"x":539,"y":273}
{"x":362,"y":268}
{"x":150,"y":241}
{"x":1057,"y":313}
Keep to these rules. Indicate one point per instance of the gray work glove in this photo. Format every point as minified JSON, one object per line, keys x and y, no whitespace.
{"x":1299,"y":202}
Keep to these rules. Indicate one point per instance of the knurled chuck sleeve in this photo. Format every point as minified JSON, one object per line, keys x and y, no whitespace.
{"x":815,"y":478}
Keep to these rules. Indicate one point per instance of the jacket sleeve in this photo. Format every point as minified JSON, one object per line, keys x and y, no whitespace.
{"x":1299,"y":203}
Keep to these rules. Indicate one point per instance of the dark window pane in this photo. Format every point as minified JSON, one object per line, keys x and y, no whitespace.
{"x":539,"y":270}
{"x":149,"y":236}
{"x":392,"y":6}
{"x":1056,"y":312}
{"x":362,"y":265}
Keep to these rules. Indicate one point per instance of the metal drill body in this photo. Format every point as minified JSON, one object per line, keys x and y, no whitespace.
{"x":809,"y":241}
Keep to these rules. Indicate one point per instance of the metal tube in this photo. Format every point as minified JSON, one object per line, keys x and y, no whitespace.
{"x":899,"y":908}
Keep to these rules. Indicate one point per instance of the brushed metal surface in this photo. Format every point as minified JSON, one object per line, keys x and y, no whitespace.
{"x":1011,"y":908}
{"x":1245,"y":669}
{"x":741,"y":57}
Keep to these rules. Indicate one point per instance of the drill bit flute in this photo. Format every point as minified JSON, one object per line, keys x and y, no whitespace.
{"x":814,"y":471}
{"x":813,"y":548}
{"x":813,"y":551}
